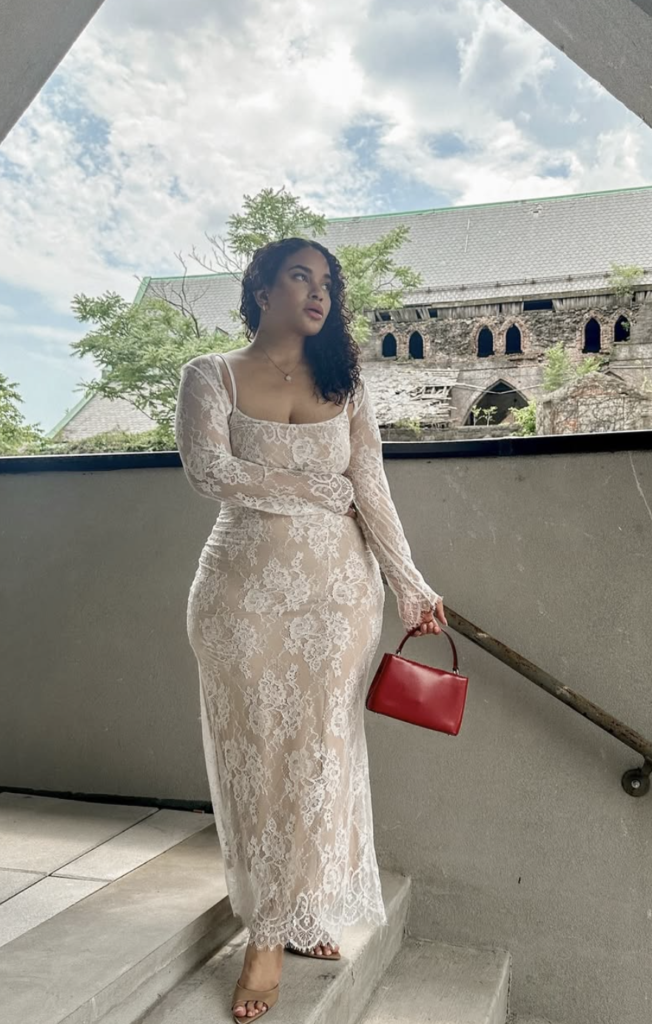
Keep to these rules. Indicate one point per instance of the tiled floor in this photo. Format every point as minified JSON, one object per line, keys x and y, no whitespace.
{"x":55,"y":852}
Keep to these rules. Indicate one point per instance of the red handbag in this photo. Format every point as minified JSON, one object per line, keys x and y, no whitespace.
{"x":419,"y":694}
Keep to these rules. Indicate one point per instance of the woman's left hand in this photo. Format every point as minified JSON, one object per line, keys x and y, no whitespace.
{"x":428,"y":624}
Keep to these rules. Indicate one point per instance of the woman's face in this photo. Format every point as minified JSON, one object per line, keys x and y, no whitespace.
{"x":300,"y":299}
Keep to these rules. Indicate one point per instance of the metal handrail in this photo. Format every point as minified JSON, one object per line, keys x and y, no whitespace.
{"x":635,"y":781}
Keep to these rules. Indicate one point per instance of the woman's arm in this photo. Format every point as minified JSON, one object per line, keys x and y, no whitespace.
{"x":202,"y":435}
{"x":378,"y":517}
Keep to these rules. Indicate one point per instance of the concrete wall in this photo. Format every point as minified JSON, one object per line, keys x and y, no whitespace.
{"x":610,"y":39}
{"x":517,"y":832}
{"x":35,"y":35}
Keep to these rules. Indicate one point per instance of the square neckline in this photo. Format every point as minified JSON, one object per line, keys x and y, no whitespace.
{"x":276,"y":423}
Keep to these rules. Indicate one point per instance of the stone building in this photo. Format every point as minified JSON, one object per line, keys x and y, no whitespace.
{"x":501,"y":283}
{"x":585,"y":404}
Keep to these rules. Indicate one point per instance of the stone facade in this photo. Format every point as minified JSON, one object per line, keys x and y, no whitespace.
{"x":593,"y":403}
{"x":510,"y":361}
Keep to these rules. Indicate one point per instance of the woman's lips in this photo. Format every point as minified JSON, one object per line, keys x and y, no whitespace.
{"x":315,"y":314}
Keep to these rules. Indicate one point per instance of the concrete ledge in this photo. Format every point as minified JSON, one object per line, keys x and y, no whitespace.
{"x":113,"y":954}
{"x":443,"y":984}
{"x":516,"y":1019}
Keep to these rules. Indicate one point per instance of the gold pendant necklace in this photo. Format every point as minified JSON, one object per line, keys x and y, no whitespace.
{"x":286,"y":375}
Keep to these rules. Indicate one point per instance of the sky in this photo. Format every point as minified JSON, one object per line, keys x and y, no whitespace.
{"x":162,"y":116}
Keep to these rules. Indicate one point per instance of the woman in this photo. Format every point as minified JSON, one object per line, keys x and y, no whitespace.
{"x":286,"y":607}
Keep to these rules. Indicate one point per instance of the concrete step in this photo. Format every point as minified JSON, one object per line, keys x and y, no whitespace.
{"x":111,"y":955}
{"x":516,"y":1018}
{"x":56,"y":852}
{"x":442,"y":984}
{"x":311,"y":991}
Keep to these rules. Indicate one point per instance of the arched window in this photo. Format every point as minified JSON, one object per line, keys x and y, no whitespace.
{"x":591,"y":336}
{"x":621,"y":329}
{"x":498,"y":400}
{"x":513,"y":340}
{"x":389,"y":345}
{"x":485,"y":343}
{"x":415,"y":346}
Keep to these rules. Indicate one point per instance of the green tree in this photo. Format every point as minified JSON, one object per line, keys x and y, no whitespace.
{"x":268,"y":216}
{"x":558,"y":370}
{"x":488,"y":413}
{"x":374,"y":278}
{"x":526,"y":418}
{"x":15,"y":434}
{"x":623,"y":280}
{"x":141,"y":349}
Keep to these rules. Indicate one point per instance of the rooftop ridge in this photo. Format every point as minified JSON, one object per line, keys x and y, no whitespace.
{"x":499,"y":202}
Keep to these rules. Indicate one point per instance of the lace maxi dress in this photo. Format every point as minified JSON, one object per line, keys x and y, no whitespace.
{"x":284,"y":616}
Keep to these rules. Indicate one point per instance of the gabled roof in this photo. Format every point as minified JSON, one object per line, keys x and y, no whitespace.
{"x":95,"y":414}
{"x":212,"y":297}
{"x":517,"y":249}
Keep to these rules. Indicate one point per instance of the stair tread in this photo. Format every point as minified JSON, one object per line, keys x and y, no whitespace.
{"x":111,"y":934}
{"x":442,"y":984}
{"x":515,"y":1018}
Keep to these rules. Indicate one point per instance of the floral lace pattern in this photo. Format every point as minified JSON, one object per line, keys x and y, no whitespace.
{"x":284,"y":616}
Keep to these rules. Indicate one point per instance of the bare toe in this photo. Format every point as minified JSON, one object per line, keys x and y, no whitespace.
{"x":249,"y":1010}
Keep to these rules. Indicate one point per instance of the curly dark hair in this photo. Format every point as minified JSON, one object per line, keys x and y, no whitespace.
{"x":332,"y":355}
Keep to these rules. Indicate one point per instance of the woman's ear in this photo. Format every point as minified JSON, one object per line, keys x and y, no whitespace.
{"x":262,"y":298}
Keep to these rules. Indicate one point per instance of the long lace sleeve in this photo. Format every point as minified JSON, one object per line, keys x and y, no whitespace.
{"x":378,"y":518}
{"x":202,"y":435}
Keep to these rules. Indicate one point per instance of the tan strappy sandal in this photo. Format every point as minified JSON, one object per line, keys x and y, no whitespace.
{"x":243,"y":995}
{"x":325,"y":956}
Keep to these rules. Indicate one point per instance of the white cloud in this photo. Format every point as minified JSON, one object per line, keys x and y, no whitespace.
{"x":618,"y":158}
{"x":47,"y":333}
{"x":525,"y":112}
{"x":190,"y":122}
{"x":157,"y":122}
{"x":525,"y":56}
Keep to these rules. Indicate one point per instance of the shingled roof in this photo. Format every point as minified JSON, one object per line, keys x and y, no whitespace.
{"x":519,"y":249}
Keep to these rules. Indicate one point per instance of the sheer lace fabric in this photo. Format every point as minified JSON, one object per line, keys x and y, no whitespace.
{"x":284,"y":616}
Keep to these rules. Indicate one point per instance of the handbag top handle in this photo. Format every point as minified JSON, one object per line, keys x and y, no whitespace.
{"x":450,"y":640}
